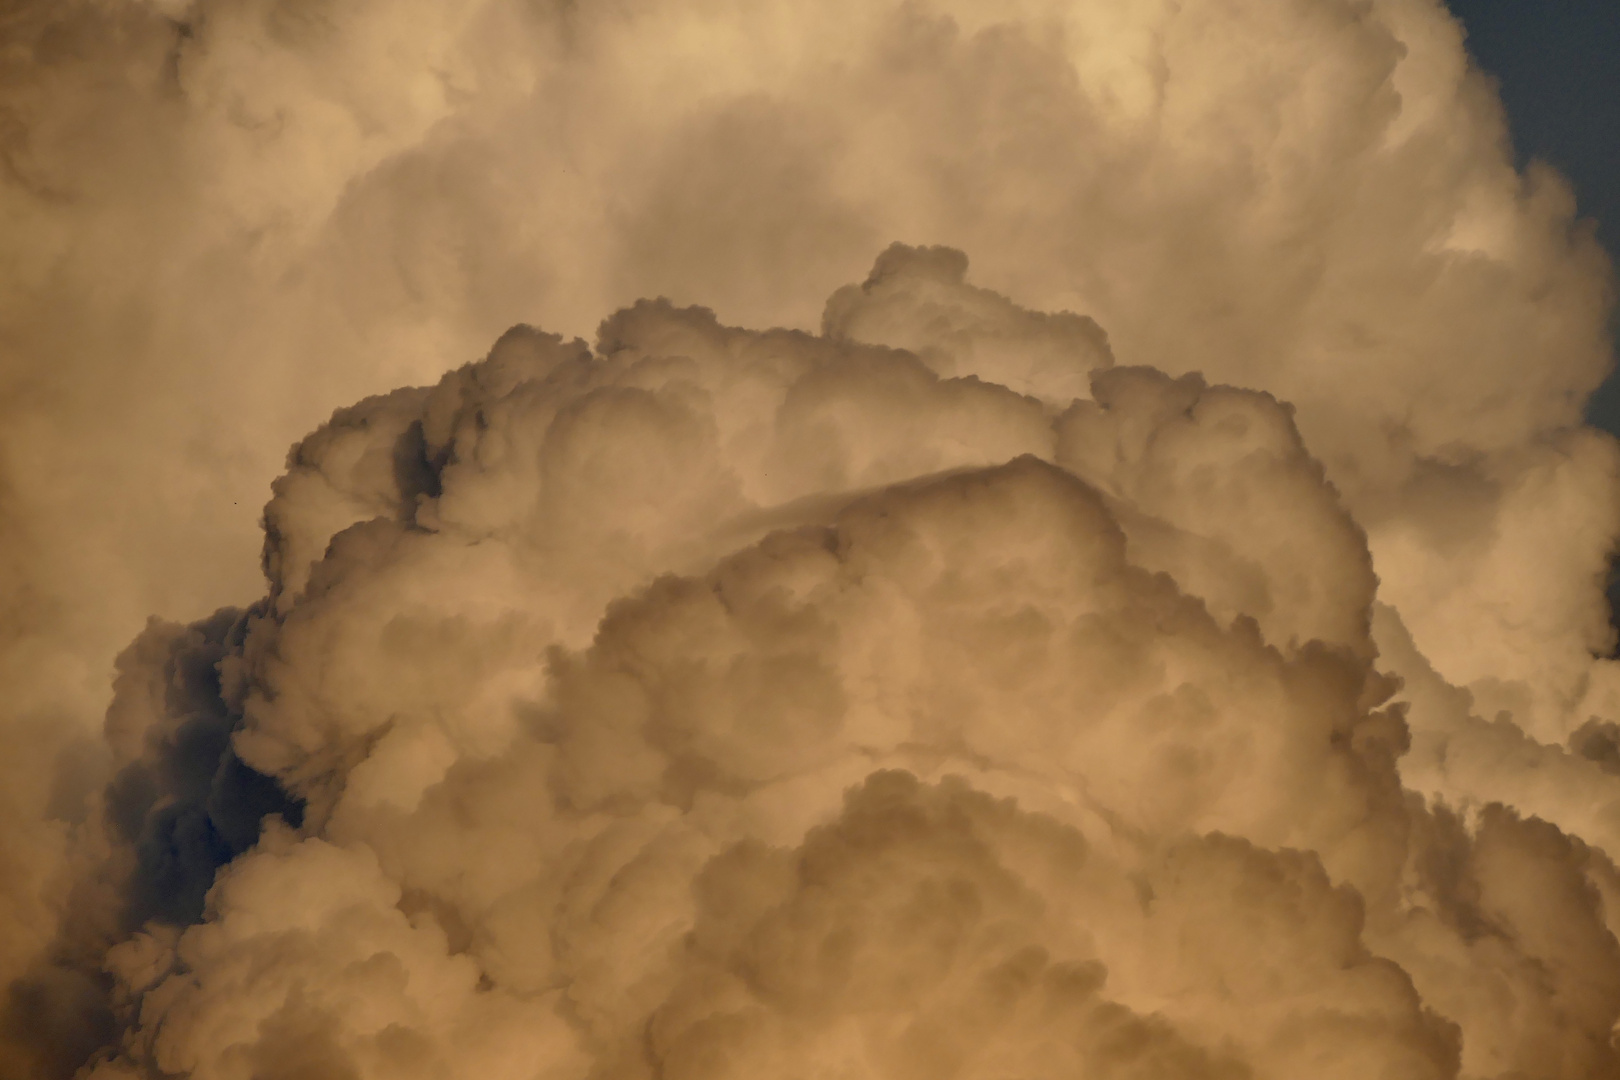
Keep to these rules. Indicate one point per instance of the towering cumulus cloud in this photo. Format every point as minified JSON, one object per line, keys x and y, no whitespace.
{"x":1174,"y":646}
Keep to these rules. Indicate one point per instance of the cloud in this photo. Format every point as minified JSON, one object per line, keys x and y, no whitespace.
{"x":1012,"y":734}
{"x":1178,"y":644}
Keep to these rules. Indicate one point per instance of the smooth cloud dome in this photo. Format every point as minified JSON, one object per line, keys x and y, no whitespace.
{"x":1173,"y":644}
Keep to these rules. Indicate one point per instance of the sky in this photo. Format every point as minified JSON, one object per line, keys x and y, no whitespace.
{"x":875,"y":538}
{"x":1556,"y":69}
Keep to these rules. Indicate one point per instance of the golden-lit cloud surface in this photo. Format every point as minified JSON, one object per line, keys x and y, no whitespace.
{"x":1171,"y":644}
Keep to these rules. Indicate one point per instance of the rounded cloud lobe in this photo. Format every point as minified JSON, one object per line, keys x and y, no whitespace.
{"x":1176,"y":648}
{"x":713,"y":702}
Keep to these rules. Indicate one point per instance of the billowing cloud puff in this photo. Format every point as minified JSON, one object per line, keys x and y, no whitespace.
{"x":713,"y":702}
{"x":1177,"y":648}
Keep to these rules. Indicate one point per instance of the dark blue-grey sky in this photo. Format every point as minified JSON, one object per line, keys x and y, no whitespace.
{"x":1558,"y":64}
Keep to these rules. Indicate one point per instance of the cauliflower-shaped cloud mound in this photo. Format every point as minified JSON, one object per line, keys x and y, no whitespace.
{"x":926,"y":697}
